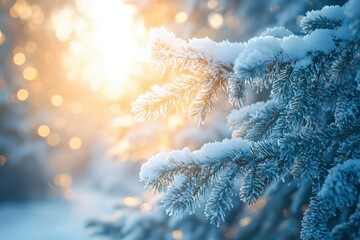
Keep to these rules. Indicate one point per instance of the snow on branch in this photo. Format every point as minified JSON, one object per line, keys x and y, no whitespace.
{"x":308,"y":131}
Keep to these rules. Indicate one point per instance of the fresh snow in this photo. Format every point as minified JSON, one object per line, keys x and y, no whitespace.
{"x":278,"y":32}
{"x":331,"y":12}
{"x":273,"y":44}
{"x":53,"y":219}
{"x":209,"y":153}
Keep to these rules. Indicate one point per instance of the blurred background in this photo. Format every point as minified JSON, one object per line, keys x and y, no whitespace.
{"x":70,"y":149}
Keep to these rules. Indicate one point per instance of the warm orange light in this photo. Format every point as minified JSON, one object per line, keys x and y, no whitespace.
{"x":19,"y":58}
{"x":2,"y":37}
{"x":178,"y":234}
{"x":89,"y":34}
{"x":63,"y":180}
{"x":49,"y":57}
{"x":21,"y":9}
{"x":22,"y":94}
{"x":123,"y":146}
{"x":18,"y":49}
{"x":175,"y":121}
{"x":145,"y":207}
{"x":245,"y":221}
{"x":215,"y":20}
{"x":131,"y":201}
{"x":53,"y":139}
{"x":77,"y":107}
{"x":2,"y":160}
{"x":30,"y":73}
{"x":43,"y":131}
{"x":30,"y":47}
{"x":181,"y":17}
{"x":75,"y":143}
{"x":2,"y":83}
{"x":212,"y":4}
{"x":60,"y":122}
{"x":57,"y":100}
{"x":304,"y":207}
{"x":38,"y":15}
{"x":123,"y":122}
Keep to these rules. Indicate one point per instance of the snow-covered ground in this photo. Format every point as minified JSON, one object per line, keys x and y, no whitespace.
{"x":55,"y":219}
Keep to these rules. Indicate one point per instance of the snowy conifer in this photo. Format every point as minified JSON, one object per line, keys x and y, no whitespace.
{"x":307,"y":133}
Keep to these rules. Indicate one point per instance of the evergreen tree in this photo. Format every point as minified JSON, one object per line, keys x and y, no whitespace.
{"x":300,"y":147}
{"x":20,"y":150}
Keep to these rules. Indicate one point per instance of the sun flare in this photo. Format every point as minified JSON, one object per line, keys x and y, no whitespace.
{"x":104,"y":43}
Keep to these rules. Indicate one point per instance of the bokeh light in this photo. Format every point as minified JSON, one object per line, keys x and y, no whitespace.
{"x":2,"y":160}
{"x":63,"y":180}
{"x":245,"y":221}
{"x":178,"y":234}
{"x":215,"y":20}
{"x":77,"y":107}
{"x":30,"y":73}
{"x":75,"y":143}
{"x":2,"y":37}
{"x":212,"y":4}
{"x":31,"y":47}
{"x":53,"y":139}
{"x":19,"y":58}
{"x":57,"y":100}
{"x":43,"y":131}
{"x":22,"y":94}
{"x":181,"y":17}
{"x":145,"y":207}
{"x":131,"y":201}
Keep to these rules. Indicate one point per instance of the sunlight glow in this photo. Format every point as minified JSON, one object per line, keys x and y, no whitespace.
{"x":77,"y":107}
{"x":175,"y":121}
{"x":104,"y":43}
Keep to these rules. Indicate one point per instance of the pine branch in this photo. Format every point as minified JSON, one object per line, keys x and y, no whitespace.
{"x":314,"y":223}
{"x":308,"y":130}
{"x":342,"y":68}
{"x":281,"y":81}
{"x":340,"y":186}
{"x":309,"y":25}
{"x":206,"y":75}
{"x":220,"y":198}
{"x":252,"y":186}
{"x":261,"y":125}
{"x":349,"y":229}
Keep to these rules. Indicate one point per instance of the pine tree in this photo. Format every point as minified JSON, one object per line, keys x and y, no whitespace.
{"x":301,"y":146}
{"x":20,"y":150}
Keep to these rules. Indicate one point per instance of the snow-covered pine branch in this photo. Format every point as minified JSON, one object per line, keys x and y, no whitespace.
{"x":209,"y":74}
{"x":305,"y":131}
